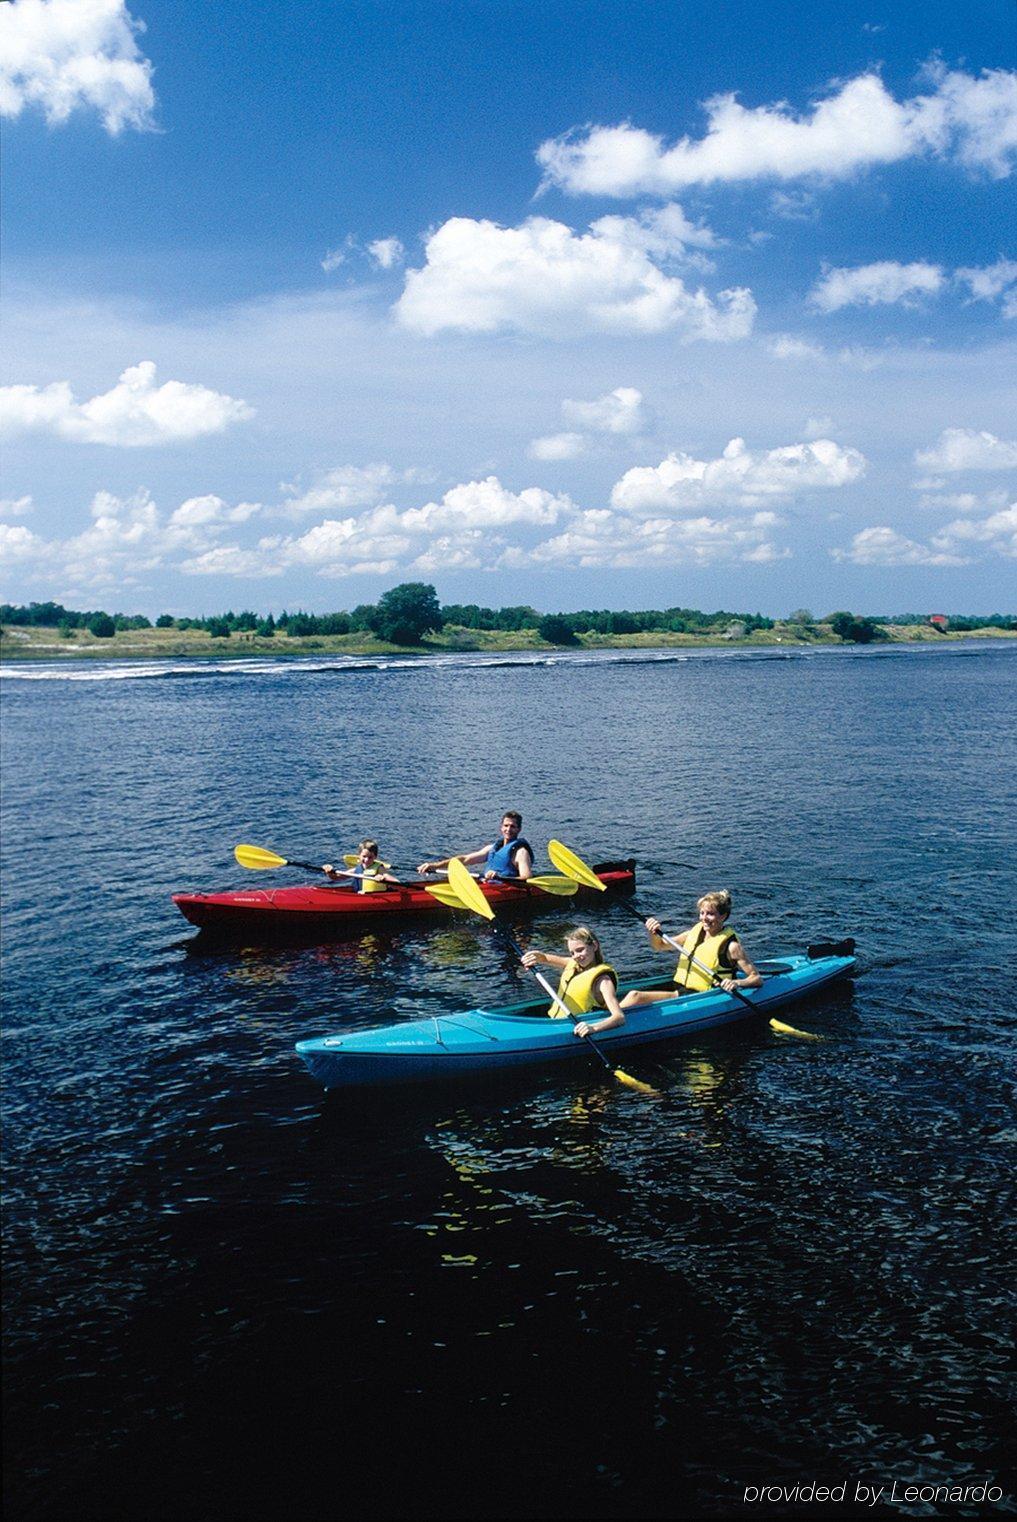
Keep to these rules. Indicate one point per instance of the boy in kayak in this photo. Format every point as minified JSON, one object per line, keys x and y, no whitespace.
{"x":712,"y":942}
{"x":587,"y":982}
{"x":511,"y":856}
{"x":370,"y":874}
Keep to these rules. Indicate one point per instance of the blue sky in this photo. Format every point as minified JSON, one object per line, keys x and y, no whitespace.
{"x":578,"y":305}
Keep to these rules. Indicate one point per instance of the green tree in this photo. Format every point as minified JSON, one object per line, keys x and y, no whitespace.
{"x":556,"y":629}
{"x":405,"y":613}
{"x":218,"y":628}
{"x":101,"y":625}
{"x":164,"y":621}
{"x":859,"y":631}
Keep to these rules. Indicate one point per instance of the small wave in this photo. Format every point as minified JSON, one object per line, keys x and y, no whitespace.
{"x":199,"y":668}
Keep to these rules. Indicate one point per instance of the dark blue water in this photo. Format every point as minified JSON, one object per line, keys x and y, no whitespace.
{"x":230,"y":1297}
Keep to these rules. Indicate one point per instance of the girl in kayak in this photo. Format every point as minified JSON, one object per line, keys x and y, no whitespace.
{"x":511,"y":856}
{"x":370,"y":874}
{"x":713,"y":943}
{"x":587,"y":982}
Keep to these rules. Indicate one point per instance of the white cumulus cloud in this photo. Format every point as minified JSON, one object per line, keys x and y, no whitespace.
{"x":962,"y":501}
{"x":18,"y":543}
{"x":386,"y":252}
{"x":557,"y":446}
{"x":598,"y":539}
{"x":543,"y":278}
{"x":347,"y":486}
{"x":970,"y":118}
{"x":485,"y":505}
{"x":989,"y":281}
{"x":619,"y":411}
{"x":66,"y":55}
{"x":741,"y":478}
{"x":997,"y":533}
{"x":208,"y":511}
{"x":883,"y":546}
{"x":15,"y":507}
{"x":128,"y":537}
{"x":968,"y":449}
{"x":135,"y":413}
{"x":784,"y":346}
{"x":873,"y":284}
{"x":464,"y":530}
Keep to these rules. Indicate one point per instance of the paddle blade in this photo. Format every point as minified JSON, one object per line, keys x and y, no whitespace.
{"x":789,"y":1030}
{"x":560,"y":887}
{"x":634,"y":1083}
{"x":573,"y":866}
{"x":257,"y":860}
{"x":468,"y":891}
{"x":445,"y":895}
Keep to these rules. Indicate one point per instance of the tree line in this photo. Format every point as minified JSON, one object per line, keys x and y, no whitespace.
{"x":406,"y":613}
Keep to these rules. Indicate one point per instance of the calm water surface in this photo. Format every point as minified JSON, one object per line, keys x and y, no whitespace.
{"x":229,"y":1297}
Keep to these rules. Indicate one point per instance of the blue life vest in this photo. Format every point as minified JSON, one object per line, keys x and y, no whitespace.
{"x":502,"y":858}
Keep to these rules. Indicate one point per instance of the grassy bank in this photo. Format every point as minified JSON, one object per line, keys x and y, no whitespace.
{"x":36,"y":643}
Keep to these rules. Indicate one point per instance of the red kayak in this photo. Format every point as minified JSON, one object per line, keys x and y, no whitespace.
{"x":324,"y":909}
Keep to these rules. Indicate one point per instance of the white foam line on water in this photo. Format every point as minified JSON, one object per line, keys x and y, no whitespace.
{"x":454,"y":662}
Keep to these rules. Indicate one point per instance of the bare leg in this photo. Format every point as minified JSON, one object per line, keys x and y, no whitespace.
{"x":647,"y":996}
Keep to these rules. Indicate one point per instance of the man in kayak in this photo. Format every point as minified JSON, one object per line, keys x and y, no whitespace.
{"x":587,"y":982}
{"x":369,"y":874}
{"x":511,"y":856}
{"x":713,"y":943}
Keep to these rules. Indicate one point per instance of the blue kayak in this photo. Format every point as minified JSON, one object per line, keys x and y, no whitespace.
{"x":496,"y":1040}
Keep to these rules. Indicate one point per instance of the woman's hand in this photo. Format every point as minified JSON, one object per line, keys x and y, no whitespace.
{"x":652,"y":925}
{"x":582,"y":1029}
{"x":532,"y":958}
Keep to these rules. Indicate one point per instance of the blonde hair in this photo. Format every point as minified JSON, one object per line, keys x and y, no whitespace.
{"x":719,"y":900}
{"x":369,"y":845}
{"x":585,"y":936}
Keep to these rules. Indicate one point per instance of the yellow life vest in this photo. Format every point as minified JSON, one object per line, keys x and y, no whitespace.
{"x":706,"y":949}
{"x":575,"y":988}
{"x":368,"y":878}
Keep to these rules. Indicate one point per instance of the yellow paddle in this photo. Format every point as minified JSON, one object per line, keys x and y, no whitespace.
{"x":256,"y":859}
{"x":558,"y":887}
{"x":445,"y":895}
{"x":567,"y":861}
{"x":472,"y":898}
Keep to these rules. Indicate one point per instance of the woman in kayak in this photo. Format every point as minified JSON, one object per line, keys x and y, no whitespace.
{"x":511,"y":856}
{"x":587,"y":982}
{"x":713,"y":943}
{"x":369,"y":874}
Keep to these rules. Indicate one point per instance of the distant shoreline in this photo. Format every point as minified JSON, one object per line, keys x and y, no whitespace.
{"x":32,"y":643}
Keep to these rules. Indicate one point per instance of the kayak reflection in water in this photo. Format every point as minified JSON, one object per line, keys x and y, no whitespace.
{"x":511,"y":856}
{"x":370,"y":874}
{"x":587,"y":982}
{"x":712,"y":942}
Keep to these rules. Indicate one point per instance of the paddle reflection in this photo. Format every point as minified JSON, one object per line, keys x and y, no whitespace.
{"x":450,"y":948}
